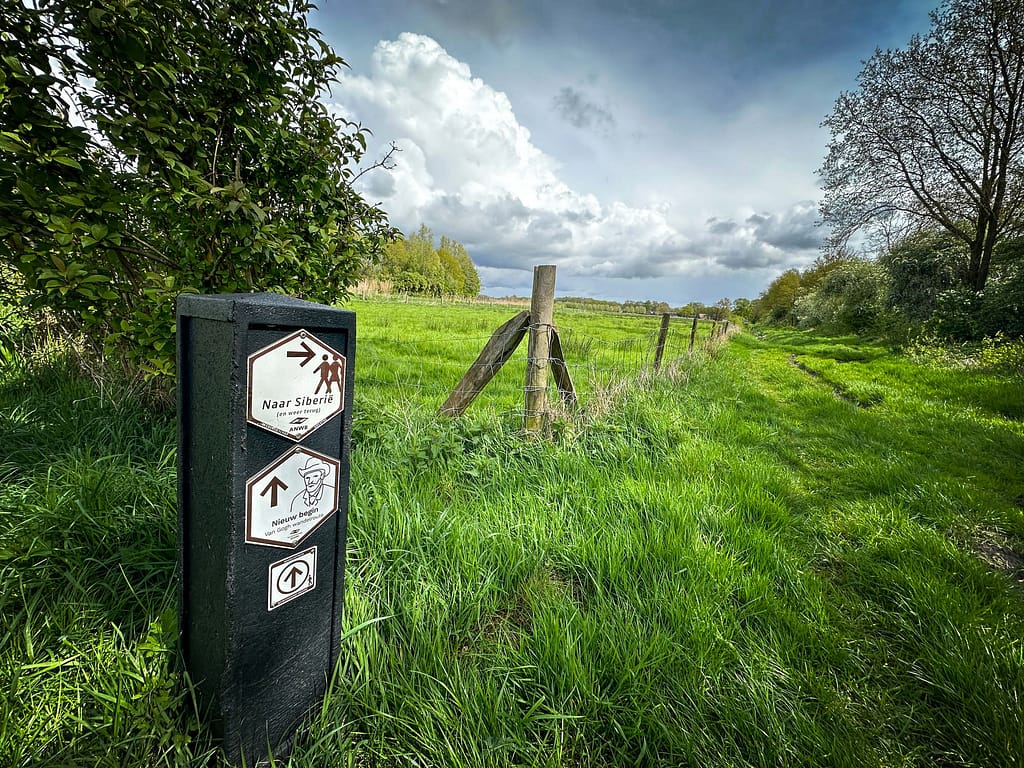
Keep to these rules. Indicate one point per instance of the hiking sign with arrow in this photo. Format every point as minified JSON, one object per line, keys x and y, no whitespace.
{"x":264,"y":439}
{"x":291,"y":577}
{"x":290,"y":497}
{"x":296,"y":385}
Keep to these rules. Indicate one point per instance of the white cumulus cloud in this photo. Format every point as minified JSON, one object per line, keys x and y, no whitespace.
{"x":469,"y":169}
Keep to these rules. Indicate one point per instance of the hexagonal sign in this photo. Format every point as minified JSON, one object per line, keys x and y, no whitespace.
{"x":290,"y":498}
{"x":296,"y":385}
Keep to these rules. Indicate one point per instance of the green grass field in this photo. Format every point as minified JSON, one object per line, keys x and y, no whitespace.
{"x":788,"y":551}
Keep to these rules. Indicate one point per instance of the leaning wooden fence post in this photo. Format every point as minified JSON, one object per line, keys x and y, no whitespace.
{"x":494,"y":355}
{"x":561,"y":372}
{"x":693,"y":333}
{"x":659,"y":350}
{"x":538,"y":353}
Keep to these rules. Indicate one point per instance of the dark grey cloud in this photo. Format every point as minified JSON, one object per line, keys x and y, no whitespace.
{"x":580,"y":111}
{"x":762,"y":240}
{"x":751,"y":255}
{"x":721,"y":226}
{"x":743,"y":34}
{"x":796,"y":229}
{"x":580,"y":216}
{"x":501,"y":233}
{"x":379,"y":185}
{"x":499,"y":21}
{"x":550,"y":229}
{"x":662,"y":257}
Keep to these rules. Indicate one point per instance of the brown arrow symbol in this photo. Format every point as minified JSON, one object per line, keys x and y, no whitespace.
{"x":273,"y":486}
{"x":308,"y":353}
{"x":295,"y":574}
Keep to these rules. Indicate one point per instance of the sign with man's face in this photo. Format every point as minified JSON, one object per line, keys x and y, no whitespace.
{"x":289,"y":498}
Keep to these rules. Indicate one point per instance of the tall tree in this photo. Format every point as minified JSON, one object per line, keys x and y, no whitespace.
{"x":775,"y":303}
{"x":148,"y":148}
{"x":934,"y":135}
{"x":470,"y":277}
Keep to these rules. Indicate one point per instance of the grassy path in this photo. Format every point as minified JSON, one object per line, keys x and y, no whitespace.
{"x":803,"y":552}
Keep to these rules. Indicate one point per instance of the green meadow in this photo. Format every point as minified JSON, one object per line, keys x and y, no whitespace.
{"x":780,"y":550}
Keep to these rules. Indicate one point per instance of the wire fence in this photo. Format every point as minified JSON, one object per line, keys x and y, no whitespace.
{"x":408,"y":366}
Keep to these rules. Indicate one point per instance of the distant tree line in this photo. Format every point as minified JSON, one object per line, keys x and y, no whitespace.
{"x":604,"y":305}
{"x":416,"y":264}
{"x":919,"y":284}
{"x":721,"y":310}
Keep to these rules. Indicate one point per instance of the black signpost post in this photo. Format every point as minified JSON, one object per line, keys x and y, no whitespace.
{"x":264,"y":414}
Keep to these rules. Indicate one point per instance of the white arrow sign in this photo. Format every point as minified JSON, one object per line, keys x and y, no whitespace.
{"x":296,"y":385}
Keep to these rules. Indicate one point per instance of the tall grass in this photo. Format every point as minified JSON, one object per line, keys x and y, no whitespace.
{"x":87,"y":598}
{"x":798,"y":551}
{"x":749,"y":570}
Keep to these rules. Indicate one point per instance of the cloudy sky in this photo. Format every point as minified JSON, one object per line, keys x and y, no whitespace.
{"x":653,"y":149}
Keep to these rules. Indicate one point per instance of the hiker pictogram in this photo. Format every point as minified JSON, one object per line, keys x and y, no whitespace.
{"x":330,"y":373}
{"x":289,"y":396}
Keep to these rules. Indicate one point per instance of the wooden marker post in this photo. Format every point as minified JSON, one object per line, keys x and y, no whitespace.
{"x":542,"y":303}
{"x":659,"y":349}
{"x":693,"y":333}
{"x":264,"y":414}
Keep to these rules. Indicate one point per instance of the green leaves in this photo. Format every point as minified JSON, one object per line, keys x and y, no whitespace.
{"x":205,"y":163}
{"x":70,"y":162}
{"x":414,"y":265}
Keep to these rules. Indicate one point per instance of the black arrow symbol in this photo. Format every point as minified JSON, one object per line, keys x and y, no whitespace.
{"x":309,"y":354}
{"x":273,"y":486}
{"x":295,"y":574}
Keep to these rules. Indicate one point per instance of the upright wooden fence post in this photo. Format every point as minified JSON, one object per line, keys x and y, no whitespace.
{"x":659,"y":350}
{"x":693,"y":333}
{"x":542,"y":303}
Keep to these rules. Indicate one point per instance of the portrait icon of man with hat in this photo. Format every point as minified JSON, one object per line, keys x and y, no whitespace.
{"x":317,"y":495}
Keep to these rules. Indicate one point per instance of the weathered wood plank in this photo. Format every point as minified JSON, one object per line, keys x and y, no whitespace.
{"x":659,"y":350}
{"x":542,"y":304}
{"x":560,"y":371}
{"x":495,"y":354}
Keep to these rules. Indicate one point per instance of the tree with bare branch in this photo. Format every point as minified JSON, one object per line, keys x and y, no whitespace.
{"x":933,"y":136}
